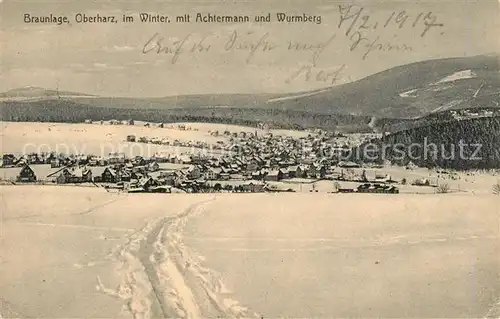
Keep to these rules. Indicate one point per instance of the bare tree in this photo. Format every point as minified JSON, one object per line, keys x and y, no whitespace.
{"x":496,"y":188}
{"x":443,"y":188}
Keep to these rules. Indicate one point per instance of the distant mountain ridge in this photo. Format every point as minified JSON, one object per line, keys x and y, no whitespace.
{"x":406,"y":91}
{"x":395,"y":99}
{"x":383,"y":94}
{"x":37,"y":92}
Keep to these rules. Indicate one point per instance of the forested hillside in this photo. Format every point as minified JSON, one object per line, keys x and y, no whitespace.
{"x":60,"y":110}
{"x":440,"y":145}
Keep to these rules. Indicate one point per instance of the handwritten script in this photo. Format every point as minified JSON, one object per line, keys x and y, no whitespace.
{"x":357,"y":25}
{"x":355,"y":29}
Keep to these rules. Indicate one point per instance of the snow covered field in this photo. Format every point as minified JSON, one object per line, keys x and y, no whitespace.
{"x":62,"y":249}
{"x":310,"y":255}
{"x":94,"y":139}
{"x":83,"y":252}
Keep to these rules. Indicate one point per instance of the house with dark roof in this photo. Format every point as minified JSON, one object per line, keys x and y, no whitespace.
{"x":316,"y":171}
{"x":136,"y":175}
{"x":73,"y":175}
{"x":8,"y":160}
{"x":292,"y":171}
{"x":26,"y":175}
{"x":274,"y":175}
{"x":110,"y":175}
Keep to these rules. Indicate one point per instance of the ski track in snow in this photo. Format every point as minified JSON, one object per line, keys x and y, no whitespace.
{"x":162,"y":277}
{"x":494,"y":311}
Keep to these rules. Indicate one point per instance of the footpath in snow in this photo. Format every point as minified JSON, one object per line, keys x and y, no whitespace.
{"x":161,"y":277}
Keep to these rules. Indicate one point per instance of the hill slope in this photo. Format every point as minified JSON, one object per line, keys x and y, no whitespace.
{"x":411,"y":90}
{"x":399,"y":98}
{"x":468,"y":143}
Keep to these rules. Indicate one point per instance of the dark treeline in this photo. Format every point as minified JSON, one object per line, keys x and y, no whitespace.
{"x":71,"y":112}
{"x":464,"y":144}
{"x":433,"y":118}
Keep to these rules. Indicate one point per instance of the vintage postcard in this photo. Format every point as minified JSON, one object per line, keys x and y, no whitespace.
{"x":250,"y":159}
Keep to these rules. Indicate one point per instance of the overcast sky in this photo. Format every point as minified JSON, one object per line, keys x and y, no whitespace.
{"x":108,"y":59}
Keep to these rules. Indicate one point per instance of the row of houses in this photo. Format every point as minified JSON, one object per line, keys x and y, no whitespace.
{"x":188,"y":178}
{"x":121,"y":169}
{"x":371,"y":188}
{"x":161,"y":181}
{"x":61,"y":160}
{"x":248,"y":150}
{"x":250,"y":157}
{"x":377,"y":188}
{"x":264,"y":173}
{"x":164,"y":181}
{"x":175,"y":143}
{"x":117,"y":167}
{"x":62,"y":176}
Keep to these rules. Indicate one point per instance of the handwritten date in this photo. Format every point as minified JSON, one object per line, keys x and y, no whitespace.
{"x":357,"y":19}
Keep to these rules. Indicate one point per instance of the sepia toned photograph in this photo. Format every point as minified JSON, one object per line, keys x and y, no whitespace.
{"x":250,"y":159}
